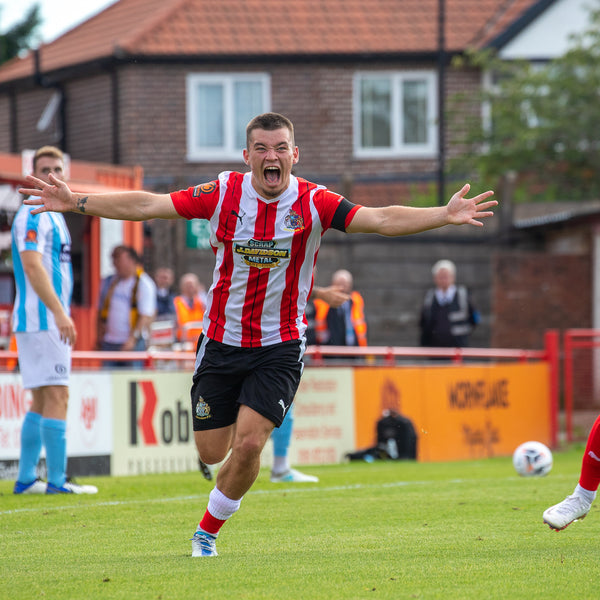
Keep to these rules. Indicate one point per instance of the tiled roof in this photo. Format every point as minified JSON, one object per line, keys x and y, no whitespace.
{"x":221,"y":28}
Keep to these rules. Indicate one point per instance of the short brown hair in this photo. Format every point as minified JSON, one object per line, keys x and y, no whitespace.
{"x":269,"y":122}
{"x":51,"y":151}
{"x":129,"y":250}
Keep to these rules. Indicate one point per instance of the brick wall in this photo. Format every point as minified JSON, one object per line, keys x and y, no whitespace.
{"x":90,"y":120}
{"x":537,"y":291}
{"x":152,"y":120}
{"x":317,"y":97}
{"x":5,"y":123}
{"x":30,"y":106}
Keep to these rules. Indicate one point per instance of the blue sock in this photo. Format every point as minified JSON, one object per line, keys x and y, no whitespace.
{"x":55,"y":442}
{"x":282,"y":437}
{"x":31,"y":446}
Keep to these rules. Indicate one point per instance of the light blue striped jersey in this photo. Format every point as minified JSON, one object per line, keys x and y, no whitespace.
{"x":47,"y":234}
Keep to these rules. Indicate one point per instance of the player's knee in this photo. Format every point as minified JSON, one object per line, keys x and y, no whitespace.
{"x":211,"y":456}
{"x":249,"y":446}
{"x":211,"y":449}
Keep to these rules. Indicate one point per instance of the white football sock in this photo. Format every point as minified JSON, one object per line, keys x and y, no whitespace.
{"x":587,"y":495}
{"x":220,"y":506}
{"x":281,"y":464}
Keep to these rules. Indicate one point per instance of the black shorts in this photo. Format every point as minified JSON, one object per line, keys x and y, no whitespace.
{"x":265,"y":379}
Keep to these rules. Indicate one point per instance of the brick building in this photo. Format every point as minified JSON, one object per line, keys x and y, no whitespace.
{"x":159,"y":83}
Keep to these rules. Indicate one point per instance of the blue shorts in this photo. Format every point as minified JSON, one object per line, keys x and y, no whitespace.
{"x":265,"y":379}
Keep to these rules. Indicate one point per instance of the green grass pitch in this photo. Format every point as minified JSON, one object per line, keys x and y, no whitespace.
{"x":460,"y":530}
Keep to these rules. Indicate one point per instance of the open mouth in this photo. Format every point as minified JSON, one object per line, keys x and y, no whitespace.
{"x":272,"y":175}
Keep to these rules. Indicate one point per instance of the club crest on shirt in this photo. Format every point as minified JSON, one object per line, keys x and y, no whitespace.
{"x":31,"y":236}
{"x":205,"y":188}
{"x":293,"y":221}
{"x":65,"y":253}
{"x":262,"y":254}
{"x":202,"y":409}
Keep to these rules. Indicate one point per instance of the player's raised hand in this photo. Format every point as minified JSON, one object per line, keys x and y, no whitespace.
{"x":463,"y":210}
{"x":54,"y":196}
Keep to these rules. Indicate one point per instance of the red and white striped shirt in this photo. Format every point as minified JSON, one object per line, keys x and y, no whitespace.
{"x":265,"y":254}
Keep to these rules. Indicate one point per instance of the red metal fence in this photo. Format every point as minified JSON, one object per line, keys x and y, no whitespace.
{"x":581,"y":373}
{"x":354,"y":356}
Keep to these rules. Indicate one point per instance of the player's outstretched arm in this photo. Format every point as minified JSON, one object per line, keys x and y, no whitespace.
{"x":56,"y":196}
{"x":403,"y":220}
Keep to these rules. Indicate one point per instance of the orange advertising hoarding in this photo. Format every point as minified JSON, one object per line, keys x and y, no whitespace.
{"x":459,"y":412}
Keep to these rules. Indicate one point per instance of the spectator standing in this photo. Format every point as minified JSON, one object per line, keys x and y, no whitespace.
{"x":164,"y":278}
{"x":344,"y":325}
{"x":266,"y":229}
{"x":189,"y":308}
{"x":127,"y":305}
{"x":45,"y":335}
{"x":331,"y":295}
{"x":447,"y":315}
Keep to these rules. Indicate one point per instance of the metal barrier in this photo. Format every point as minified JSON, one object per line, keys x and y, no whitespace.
{"x":321,"y":355}
{"x":581,"y":372}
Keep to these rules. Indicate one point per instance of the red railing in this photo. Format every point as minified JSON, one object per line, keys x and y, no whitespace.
{"x":580,"y":372}
{"x":388,"y":355}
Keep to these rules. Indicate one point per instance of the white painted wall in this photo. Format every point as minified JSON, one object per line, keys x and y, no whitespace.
{"x":548,"y":36}
{"x":111,"y":235}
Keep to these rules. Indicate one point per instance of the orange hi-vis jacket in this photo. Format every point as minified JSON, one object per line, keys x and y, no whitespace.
{"x":357,"y":316}
{"x":186,"y":314}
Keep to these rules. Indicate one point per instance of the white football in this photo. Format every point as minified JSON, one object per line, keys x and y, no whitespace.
{"x":532,"y":459}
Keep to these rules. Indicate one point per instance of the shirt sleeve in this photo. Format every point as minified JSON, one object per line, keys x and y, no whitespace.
{"x":31,"y":232}
{"x":198,"y":202}
{"x":335,"y":211}
{"x":344,"y":214}
{"x":146,"y":296}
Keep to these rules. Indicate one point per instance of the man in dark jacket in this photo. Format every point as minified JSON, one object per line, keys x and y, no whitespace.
{"x":448,"y":315}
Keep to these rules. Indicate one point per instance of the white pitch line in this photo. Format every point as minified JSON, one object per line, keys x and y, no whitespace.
{"x":289,"y":490}
{"x":280,"y":490}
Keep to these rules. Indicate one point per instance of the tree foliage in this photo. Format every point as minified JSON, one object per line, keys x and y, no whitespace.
{"x":542,"y":121}
{"x":20,"y":36}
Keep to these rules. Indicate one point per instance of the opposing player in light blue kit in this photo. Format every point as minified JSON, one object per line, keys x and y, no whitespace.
{"x":45,"y":334}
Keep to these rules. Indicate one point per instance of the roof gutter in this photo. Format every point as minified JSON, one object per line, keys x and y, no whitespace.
{"x":107,"y":62}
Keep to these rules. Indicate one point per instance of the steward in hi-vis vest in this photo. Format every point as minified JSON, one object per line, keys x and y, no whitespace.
{"x":343,"y":326}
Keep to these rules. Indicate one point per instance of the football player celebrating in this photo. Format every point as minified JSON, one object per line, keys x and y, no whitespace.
{"x":265,"y":228}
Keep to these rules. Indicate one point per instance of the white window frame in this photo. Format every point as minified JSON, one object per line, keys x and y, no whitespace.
{"x":397,"y":148}
{"x":228,"y":151}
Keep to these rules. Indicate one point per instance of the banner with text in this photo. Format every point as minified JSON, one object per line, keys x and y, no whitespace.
{"x":89,"y":417}
{"x":323,"y":418}
{"x":152,"y":423}
{"x":459,"y":412}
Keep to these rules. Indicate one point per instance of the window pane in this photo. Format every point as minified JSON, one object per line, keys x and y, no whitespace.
{"x":414,"y":112}
{"x":376,"y":102}
{"x":247,"y":102}
{"x":210,"y":129}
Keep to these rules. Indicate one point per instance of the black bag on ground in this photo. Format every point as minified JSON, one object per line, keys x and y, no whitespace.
{"x":396,"y":440}
{"x":396,"y":435}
